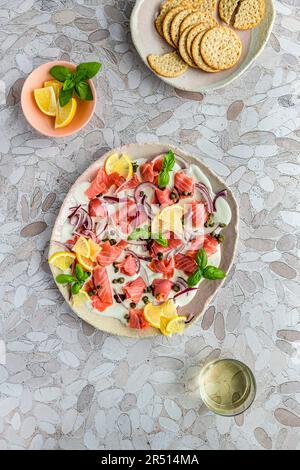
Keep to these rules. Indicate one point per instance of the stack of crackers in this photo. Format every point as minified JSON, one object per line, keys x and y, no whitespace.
{"x":201,"y":42}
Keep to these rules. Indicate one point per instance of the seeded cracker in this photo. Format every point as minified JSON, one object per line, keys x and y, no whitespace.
{"x":164,"y":9}
{"x":167,"y":65}
{"x":175,"y":25}
{"x":195,"y":18}
{"x":196,"y":30}
{"x":249,"y":14}
{"x":167,"y":24}
{"x":183,"y":50}
{"x":196,"y":53}
{"x":221,"y":48}
{"x":226,"y":9}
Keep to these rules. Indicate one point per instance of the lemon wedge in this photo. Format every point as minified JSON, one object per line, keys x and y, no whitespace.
{"x":82,"y":247}
{"x":81,"y":298}
{"x":56,"y":85}
{"x":94,"y":249}
{"x":65,"y":114}
{"x":46,"y":100}
{"x":62,"y":259}
{"x":120,"y":164}
{"x":171,"y":218}
{"x":86,"y":263}
{"x":153,"y":313}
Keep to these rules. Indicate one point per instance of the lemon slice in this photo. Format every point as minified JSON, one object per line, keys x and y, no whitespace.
{"x":46,"y":100}
{"x":94,"y":249}
{"x":171,"y":218}
{"x":82,"y":247}
{"x":56,"y":85}
{"x":80,"y":299}
{"x":120,"y":164}
{"x":175,"y":325}
{"x":86,"y":263}
{"x":62,"y":259}
{"x":65,"y":114}
{"x":153,"y":313}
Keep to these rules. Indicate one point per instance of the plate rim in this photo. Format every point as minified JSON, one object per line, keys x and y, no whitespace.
{"x":115,"y":326}
{"x":214,"y":86}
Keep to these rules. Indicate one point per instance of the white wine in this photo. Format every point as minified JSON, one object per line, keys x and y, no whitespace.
{"x":227,"y":387}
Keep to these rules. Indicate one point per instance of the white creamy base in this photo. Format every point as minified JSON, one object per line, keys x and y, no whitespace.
{"x":222,"y":215}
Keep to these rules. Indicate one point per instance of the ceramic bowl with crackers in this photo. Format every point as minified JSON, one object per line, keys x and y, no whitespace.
{"x":201,"y":45}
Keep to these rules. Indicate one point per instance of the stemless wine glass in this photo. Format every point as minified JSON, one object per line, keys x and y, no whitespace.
{"x":227,"y":386}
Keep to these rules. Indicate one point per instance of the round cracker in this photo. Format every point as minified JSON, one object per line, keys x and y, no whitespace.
{"x":226,"y":9}
{"x":175,"y":25}
{"x":183,"y":50}
{"x":193,"y":19}
{"x":220,"y":48}
{"x":203,"y":5}
{"x":164,"y":9}
{"x":249,"y":14}
{"x":167,"y":65}
{"x":196,"y":53}
{"x":167,"y":24}
{"x":196,"y":30}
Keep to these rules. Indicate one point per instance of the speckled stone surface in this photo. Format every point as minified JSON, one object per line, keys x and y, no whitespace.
{"x":65,"y":385}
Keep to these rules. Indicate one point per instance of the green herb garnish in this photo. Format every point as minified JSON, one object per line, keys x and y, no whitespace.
{"x":167,"y":166}
{"x":75,"y":281}
{"x":75,"y":82}
{"x":208,"y":272}
{"x":142,"y":232}
{"x":160,"y":239}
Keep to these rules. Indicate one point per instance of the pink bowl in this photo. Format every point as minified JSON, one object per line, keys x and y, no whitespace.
{"x":45,"y":124}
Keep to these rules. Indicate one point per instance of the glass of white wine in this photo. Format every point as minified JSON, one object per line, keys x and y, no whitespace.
{"x":227,"y":386}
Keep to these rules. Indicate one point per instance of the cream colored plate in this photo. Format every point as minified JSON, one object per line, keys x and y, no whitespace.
{"x":147,"y":41}
{"x":208,"y":289}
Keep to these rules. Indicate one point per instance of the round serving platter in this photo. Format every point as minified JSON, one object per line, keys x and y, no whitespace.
{"x":208,"y":289}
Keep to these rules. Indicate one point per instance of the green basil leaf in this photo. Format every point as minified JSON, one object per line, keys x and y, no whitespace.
{"x":163,"y":179}
{"x":59,"y":72}
{"x":160,"y":239}
{"x":75,"y":288}
{"x":65,"y":96}
{"x":87,"y":70}
{"x":79,"y":272}
{"x":211,"y":272}
{"x":201,"y":258}
{"x":65,"y":279}
{"x":140,"y":233}
{"x":84,"y":91}
{"x":169,"y":161}
{"x":194,"y":278}
{"x":69,"y":83}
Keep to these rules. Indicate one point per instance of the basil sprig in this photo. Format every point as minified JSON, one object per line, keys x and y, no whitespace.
{"x":202,"y":270}
{"x":140,"y":233}
{"x":167,"y":166}
{"x":76,"y":281}
{"x":75,"y":82}
{"x":160,"y":239}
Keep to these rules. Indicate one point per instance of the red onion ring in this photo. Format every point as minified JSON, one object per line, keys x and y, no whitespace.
{"x":222,"y":194}
{"x":185,"y":291}
{"x":206,"y":196}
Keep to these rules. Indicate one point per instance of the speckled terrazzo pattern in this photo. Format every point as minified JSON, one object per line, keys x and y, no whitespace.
{"x":65,"y":385}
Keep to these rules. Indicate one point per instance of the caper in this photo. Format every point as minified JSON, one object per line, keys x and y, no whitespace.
{"x":112,"y":241}
{"x":145,"y":299}
{"x":99,"y":286}
{"x":222,"y":225}
{"x":160,"y":256}
{"x":132,"y":305}
{"x":185,"y":193}
{"x":134,"y":167}
{"x":220,"y":238}
{"x":121,"y":280}
{"x":176,"y":288}
{"x":142,"y":193}
{"x":116,"y":270}
{"x":173,"y":196}
{"x":126,"y":316}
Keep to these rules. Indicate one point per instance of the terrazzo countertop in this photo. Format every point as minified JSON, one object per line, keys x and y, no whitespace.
{"x":64,"y":385}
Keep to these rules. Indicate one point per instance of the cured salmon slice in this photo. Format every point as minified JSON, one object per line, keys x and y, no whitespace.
{"x":96,"y":208}
{"x":163,"y":197}
{"x":162,"y":289}
{"x":128,"y":216}
{"x":172,"y":244}
{"x":130,"y":184}
{"x":134,"y":289}
{"x":209,"y":243}
{"x":128,"y":266}
{"x":104,"y":297}
{"x":199,"y":214}
{"x":110,"y":253}
{"x":136,"y":319}
{"x":115,"y":179}
{"x":165,"y":266}
{"x":99,"y":185}
{"x":183,"y":183}
{"x":147,"y":172}
{"x":185,"y":263}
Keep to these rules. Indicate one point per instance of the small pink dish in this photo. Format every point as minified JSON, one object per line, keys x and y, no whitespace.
{"x":45,"y":124}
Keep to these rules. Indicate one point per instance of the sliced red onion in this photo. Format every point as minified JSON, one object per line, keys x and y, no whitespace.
{"x":136,"y":258}
{"x":206,"y":196}
{"x":181,"y":283}
{"x":120,"y":299}
{"x":115,"y":199}
{"x":189,"y":318}
{"x":223,"y":194}
{"x":185,"y":291}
